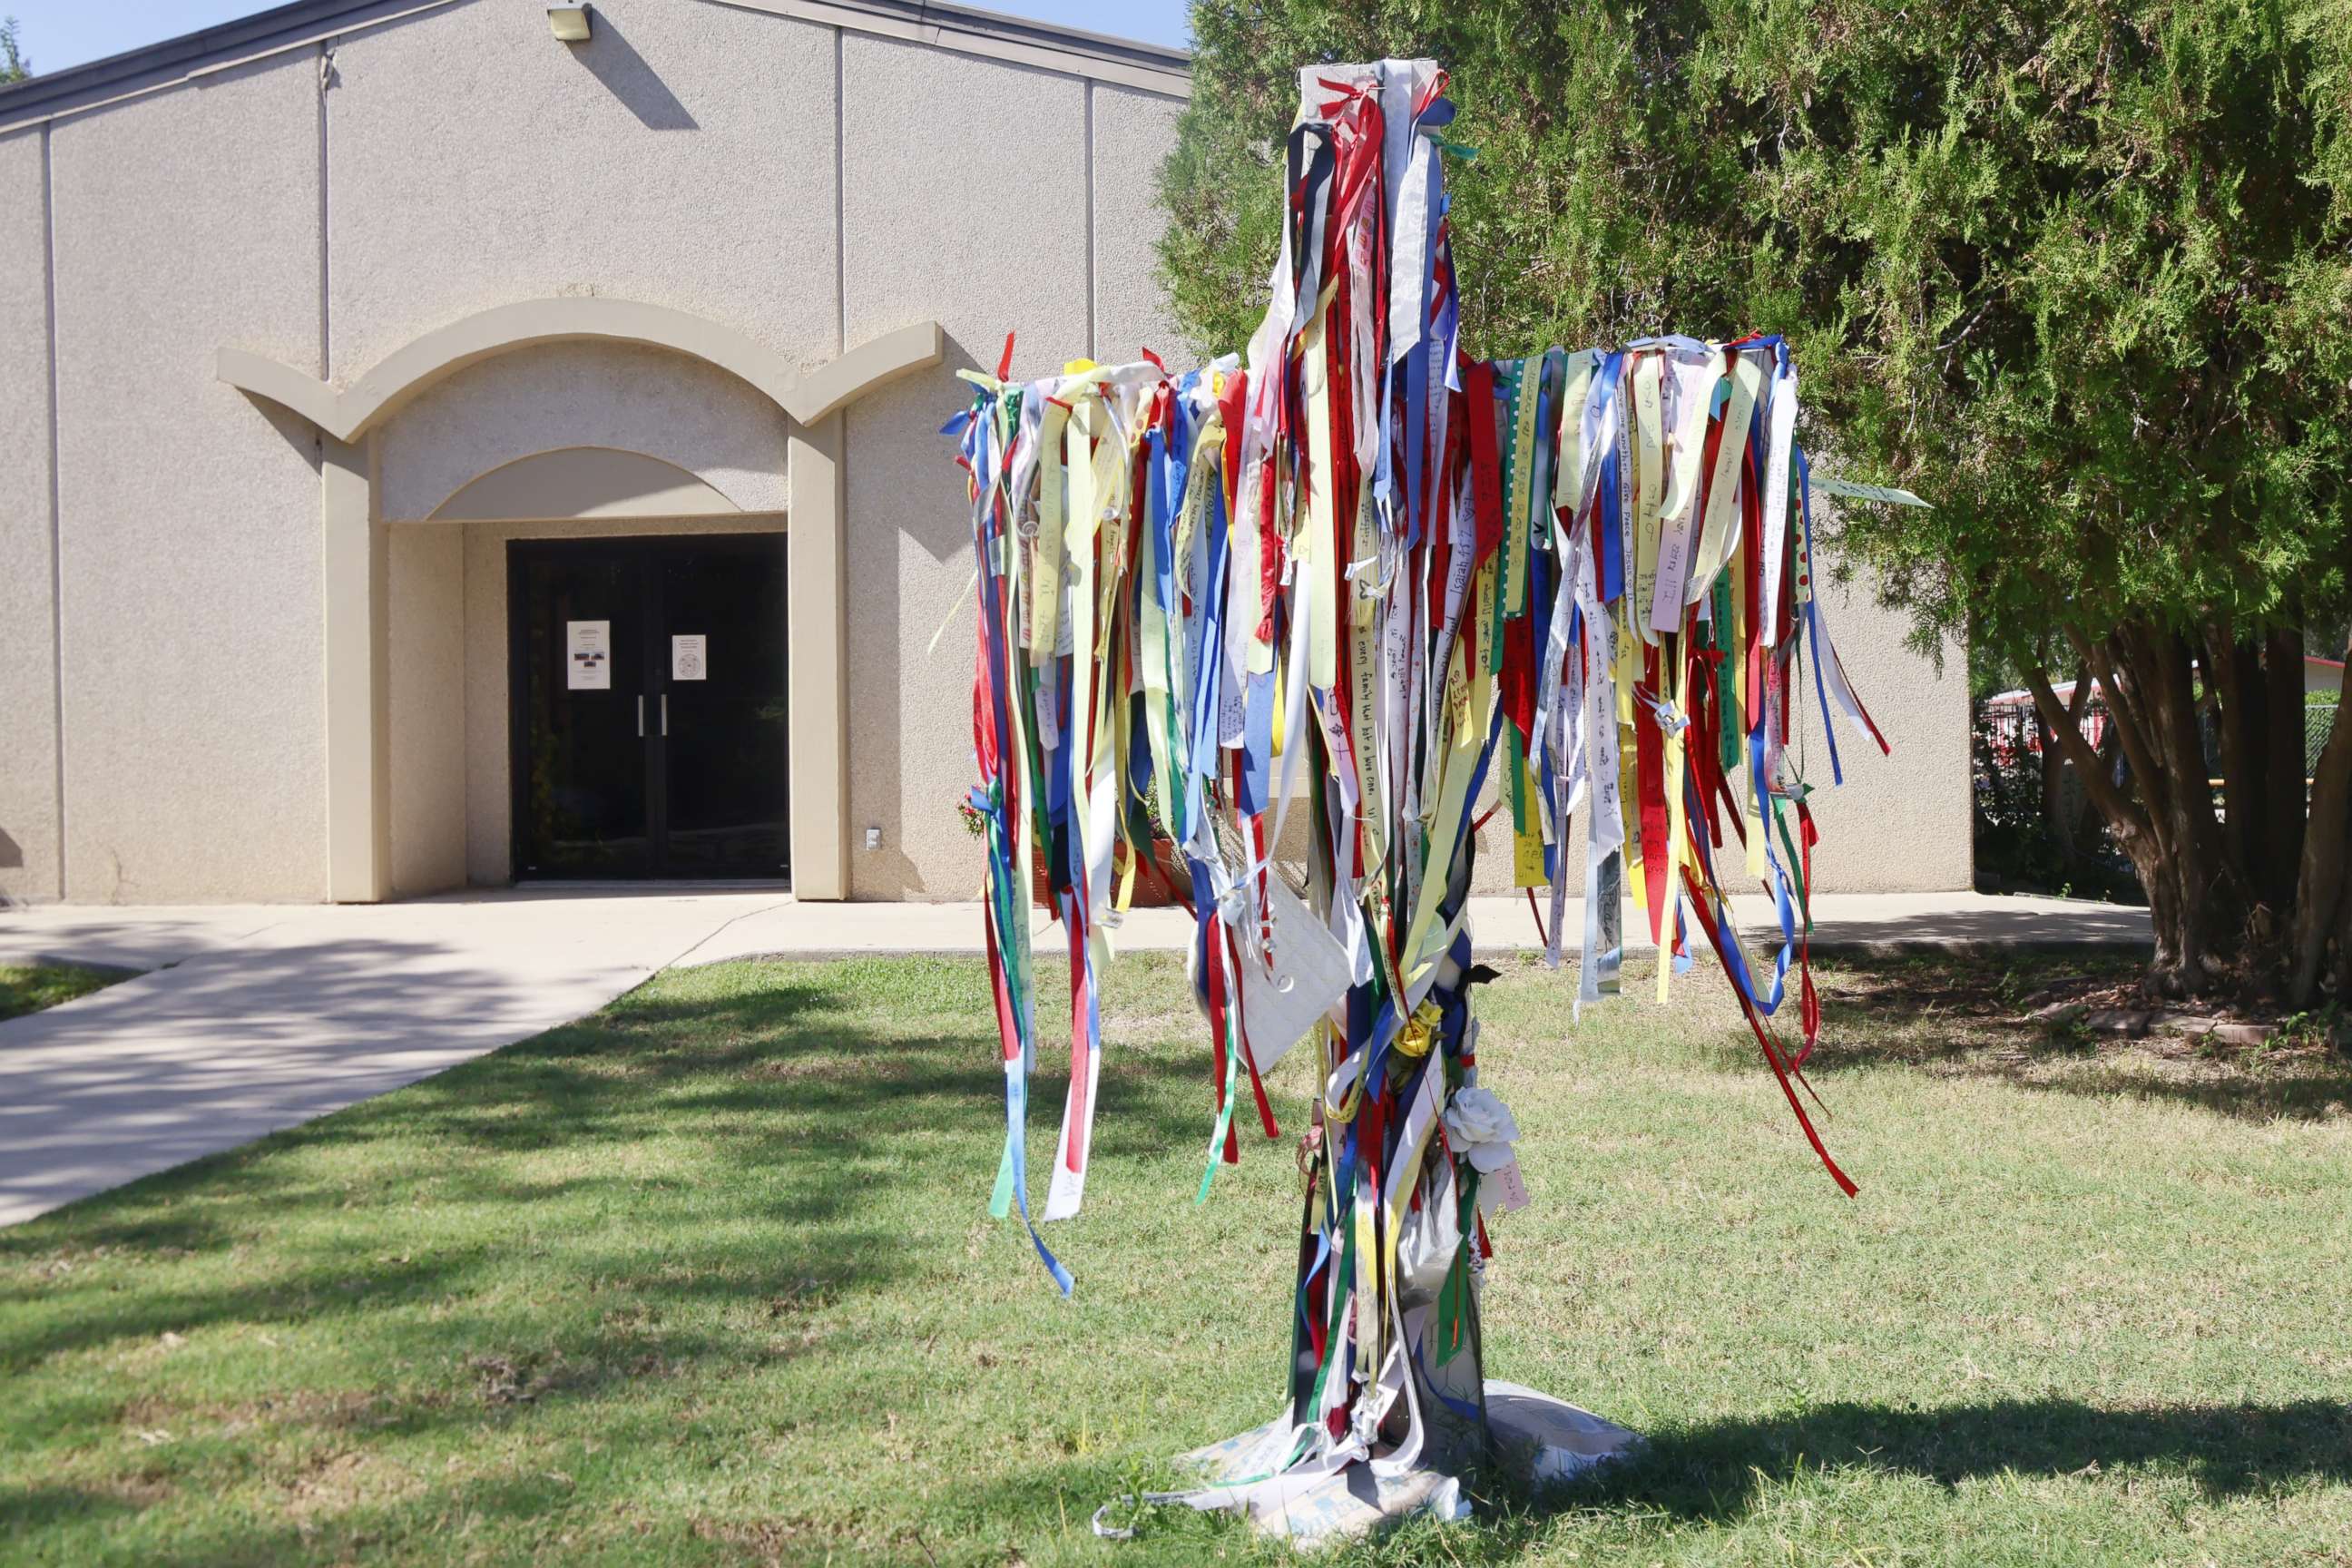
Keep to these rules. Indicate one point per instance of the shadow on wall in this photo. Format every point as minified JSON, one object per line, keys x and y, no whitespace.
{"x":610,"y":59}
{"x":898,"y":465}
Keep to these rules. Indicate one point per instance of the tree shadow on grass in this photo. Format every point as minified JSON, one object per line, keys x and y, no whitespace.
{"x":1712,"y":1470}
{"x":1965,"y":1015}
{"x":413,"y":1529}
{"x":1717,"y":1472}
{"x":794,"y":1105}
{"x":733,"y":1146}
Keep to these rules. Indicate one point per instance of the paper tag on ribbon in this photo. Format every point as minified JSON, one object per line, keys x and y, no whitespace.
{"x":1310,"y":977}
{"x":1504,"y":1191}
{"x":1527,"y":861}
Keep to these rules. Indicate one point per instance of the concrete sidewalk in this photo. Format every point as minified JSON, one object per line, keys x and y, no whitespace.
{"x":257,"y":1017}
{"x":254,"y":1018}
{"x":1842,"y":922}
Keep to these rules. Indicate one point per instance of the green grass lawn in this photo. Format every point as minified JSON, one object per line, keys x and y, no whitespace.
{"x":708,"y":1278}
{"x":27,"y":988}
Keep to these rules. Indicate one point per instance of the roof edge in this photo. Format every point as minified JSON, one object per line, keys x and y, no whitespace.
{"x":95,"y":83}
{"x":1044,"y":46}
{"x":1019,"y":29}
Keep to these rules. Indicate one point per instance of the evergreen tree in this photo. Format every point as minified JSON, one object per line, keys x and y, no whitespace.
{"x":2079,"y":273}
{"x":14,"y":66}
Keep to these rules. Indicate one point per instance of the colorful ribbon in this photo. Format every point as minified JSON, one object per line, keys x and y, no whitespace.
{"x":1361,"y":569}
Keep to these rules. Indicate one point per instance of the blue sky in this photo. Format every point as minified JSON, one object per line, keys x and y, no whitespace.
{"x":55,"y":34}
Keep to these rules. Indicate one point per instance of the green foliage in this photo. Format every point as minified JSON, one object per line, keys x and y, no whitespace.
{"x":2080,"y":274}
{"x":2330,"y":1026}
{"x":14,"y":66}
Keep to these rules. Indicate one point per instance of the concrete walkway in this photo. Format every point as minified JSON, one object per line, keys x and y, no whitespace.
{"x":1842,"y":922}
{"x":257,"y":1018}
{"x":254,"y":1018}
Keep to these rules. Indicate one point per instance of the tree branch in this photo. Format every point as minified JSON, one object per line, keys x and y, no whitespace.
{"x":2078,"y":699}
{"x":2205,"y":861}
{"x":2122,"y":814}
{"x":2121,"y":712}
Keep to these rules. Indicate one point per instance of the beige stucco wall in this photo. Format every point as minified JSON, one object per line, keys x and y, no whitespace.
{"x":189,"y":517}
{"x":1133,"y":133}
{"x":28,"y":732}
{"x":629,"y":398}
{"x":1901,"y":821}
{"x":427,"y":641}
{"x":810,"y":186}
{"x":683,"y":157}
{"x":925,"y":210}
{"x":602,"y":185}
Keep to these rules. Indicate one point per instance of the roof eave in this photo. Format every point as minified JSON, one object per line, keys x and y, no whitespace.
{"x":160,"y":65}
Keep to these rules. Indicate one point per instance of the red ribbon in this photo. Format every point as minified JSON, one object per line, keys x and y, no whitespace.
{"x":1764,"y":1038}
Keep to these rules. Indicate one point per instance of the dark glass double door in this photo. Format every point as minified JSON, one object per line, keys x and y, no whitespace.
{"x":648,"y":703}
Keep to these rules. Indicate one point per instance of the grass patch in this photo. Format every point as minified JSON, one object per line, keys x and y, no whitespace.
{"x":708,"y":1278}
{"x":29,"y":987}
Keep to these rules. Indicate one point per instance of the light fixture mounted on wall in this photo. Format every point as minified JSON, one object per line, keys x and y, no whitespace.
{"x":569,"y":22}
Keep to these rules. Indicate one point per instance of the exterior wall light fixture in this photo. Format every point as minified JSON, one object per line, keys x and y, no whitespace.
{"x":569,"y":22}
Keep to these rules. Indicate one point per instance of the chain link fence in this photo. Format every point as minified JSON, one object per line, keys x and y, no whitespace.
{"x":2319,"y":718}
{"x":2036,"y":829}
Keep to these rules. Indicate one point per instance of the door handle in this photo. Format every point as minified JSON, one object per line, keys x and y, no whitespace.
{"x":664,"y":714}
{"x":641,"y":715}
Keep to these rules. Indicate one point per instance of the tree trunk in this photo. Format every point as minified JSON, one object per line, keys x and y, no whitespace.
{"x":2053,"y":785}
{"x":2201,"y":875}
{"x":2132,"y":824}
{"x":2060,"y":821}
{"x":2109,"y":751}
{"x":2320,"y":888}
{"x":2343,"y":960}
{"x":2282,"y":849}
{"x":2211,"y":888}
{"x":2239,"y":699}
{"x":2206,"y":902}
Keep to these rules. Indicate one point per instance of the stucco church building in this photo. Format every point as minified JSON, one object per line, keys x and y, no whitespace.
{"x":442,"y":451}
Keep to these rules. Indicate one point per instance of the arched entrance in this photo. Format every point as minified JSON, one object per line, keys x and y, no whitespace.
{"x":355,"y":546}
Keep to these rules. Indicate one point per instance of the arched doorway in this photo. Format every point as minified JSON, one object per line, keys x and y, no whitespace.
{"x":356,"y":541}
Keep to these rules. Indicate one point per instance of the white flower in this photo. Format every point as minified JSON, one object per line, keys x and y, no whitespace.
{"x":1481,"y":1128}
{"x":1489,"y":1158}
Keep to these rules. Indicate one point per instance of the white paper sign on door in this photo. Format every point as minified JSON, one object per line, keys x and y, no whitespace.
{"x":588,"y":656}
{"x":688,"y":658}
